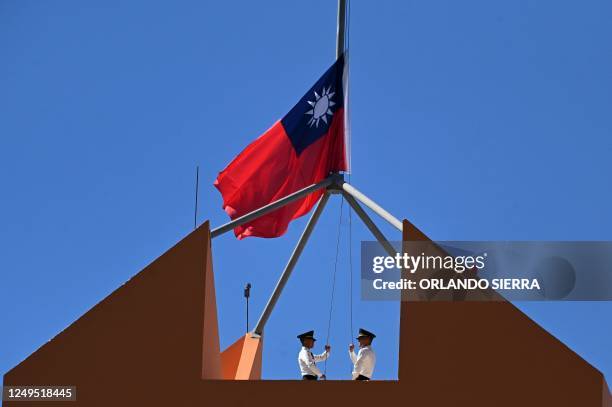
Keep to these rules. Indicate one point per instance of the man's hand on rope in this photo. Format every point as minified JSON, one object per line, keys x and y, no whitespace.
{"x":327,"y":348}
{"x":351,"y":347}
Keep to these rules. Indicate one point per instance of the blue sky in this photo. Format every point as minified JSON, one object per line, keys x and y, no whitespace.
{"x":476,"y":120}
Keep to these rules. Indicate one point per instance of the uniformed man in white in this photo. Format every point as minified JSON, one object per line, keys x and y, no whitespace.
{"x":364,"y":361}
{"x":307,"y":360}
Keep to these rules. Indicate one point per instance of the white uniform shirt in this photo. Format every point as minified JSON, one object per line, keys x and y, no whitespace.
{"x":307,"y":362}
{"x":363,"y":362}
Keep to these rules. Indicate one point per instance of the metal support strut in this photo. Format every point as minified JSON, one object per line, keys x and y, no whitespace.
{"x":334,"y":184}
{"x":270,"y":207}
{"x":290,"y":265}
{"x":380,"y":211}
{"x":370,"y":225}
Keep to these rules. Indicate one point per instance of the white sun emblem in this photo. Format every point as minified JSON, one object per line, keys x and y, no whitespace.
{"x":321,"y":107}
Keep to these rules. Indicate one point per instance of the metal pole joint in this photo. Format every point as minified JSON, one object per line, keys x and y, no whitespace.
{"x":337,"y":180}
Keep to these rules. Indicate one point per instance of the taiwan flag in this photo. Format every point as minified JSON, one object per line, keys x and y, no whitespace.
{"x":300,"y":149}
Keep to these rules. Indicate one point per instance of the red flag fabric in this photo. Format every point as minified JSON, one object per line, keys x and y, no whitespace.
{"x":299,"y":150}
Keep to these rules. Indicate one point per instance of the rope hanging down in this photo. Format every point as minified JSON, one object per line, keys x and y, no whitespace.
{"x":350,"y":245}
{"x":350,"y":239}
{"x":333,"y":290}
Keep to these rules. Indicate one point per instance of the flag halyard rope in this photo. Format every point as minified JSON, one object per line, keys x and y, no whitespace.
{"x":333,"y":290}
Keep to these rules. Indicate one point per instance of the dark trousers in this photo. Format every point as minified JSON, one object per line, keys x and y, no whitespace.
{"x":362,"y":377}
{"x":309,"y":377}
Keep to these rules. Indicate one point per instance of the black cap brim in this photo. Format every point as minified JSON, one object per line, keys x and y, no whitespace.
{"x":365,"y":336}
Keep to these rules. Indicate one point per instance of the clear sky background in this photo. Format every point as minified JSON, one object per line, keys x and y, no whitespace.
{"x":476,"y":120}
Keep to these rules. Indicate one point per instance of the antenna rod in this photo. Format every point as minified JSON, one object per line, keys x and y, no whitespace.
{"x":197,"y":187}
{"x":247,"y":294}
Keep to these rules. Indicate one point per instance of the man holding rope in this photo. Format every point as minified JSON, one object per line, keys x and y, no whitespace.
{"x":307,"y":361}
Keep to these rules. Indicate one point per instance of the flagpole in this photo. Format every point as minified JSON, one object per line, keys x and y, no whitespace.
{"x":339,"y":180}
{"x":340,"y":49}
{"x":340,"y":34}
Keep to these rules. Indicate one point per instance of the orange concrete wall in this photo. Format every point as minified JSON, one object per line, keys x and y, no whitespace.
{"x":605,"y":395}
{"x":141,"y":345}
{"x":242,"y":359}
{"x":230,"y":358}
{"x":487,"y":353}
